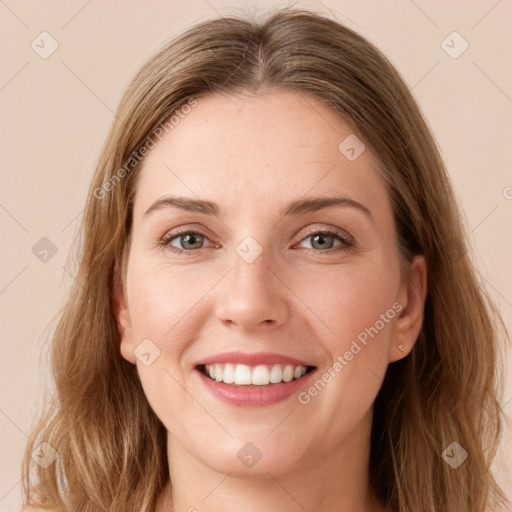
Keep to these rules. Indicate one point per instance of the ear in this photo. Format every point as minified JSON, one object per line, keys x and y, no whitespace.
{"x":412,"y":296}
{"x":122,"y":314}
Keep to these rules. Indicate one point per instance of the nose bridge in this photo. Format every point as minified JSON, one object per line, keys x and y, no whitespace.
{"x":251,"y":269}
{"x":253,"y":245}
{"x":252,"y":294}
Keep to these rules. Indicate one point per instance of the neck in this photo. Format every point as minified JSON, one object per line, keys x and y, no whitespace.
{"x":333,"y":481}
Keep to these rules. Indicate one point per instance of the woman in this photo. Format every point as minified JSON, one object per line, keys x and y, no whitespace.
{"x":274,"y":308}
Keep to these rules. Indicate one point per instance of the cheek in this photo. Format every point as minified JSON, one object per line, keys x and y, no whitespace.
{"x":358,"y":309}
{"x":162,"y":303}
{"x":350,"y":299}
{"x":164,"y":299}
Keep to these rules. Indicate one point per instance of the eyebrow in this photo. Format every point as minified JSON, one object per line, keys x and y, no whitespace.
{"x":297,"y":207}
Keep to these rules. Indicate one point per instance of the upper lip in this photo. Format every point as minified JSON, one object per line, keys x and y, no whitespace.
{"x":253,"y":359}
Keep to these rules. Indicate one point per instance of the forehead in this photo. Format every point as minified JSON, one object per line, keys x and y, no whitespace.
{"x":259,"y":149}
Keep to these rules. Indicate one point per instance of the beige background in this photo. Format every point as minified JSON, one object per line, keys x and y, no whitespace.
{"x":55,"y":114}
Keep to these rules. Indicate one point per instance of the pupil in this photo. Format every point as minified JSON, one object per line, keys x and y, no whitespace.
{"x":190,"y":239}
{"x":320,"y":239}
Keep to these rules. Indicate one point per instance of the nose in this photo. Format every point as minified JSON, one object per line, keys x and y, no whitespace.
{"x":252,"y":296}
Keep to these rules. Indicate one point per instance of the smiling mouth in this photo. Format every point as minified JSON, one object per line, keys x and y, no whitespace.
{"x":260,"y":375}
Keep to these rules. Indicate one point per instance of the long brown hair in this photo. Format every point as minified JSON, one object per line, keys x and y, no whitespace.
{"x":111,"y":447}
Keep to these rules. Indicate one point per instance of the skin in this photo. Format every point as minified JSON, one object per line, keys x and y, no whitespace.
{"x":253,"y":154}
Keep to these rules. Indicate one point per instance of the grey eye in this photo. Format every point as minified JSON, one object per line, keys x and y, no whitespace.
{"x":188,"y":241}
{"x":322,"y":241}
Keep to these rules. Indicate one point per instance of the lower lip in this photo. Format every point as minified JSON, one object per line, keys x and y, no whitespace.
{"x":254,"y":396}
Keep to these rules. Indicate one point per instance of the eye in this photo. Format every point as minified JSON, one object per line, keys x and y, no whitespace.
{"x":184,"y":242}
{"x":323,"y":240}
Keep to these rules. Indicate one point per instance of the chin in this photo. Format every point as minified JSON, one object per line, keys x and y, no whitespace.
{"x":252,"y":459}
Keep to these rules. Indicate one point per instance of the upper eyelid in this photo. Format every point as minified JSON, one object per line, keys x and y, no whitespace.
{"x":335,"y":230}
{"x":188,"y":229}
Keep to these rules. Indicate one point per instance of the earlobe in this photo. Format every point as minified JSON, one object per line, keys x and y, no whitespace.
{"x":123,"y":320}
{"x":410,"y":321}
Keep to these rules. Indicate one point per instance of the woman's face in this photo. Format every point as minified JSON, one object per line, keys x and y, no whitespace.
{"x":259,"y":292}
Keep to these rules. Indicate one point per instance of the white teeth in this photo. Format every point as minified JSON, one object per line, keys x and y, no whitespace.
{"x":288,"y":373}
{"x":276,"y":374}
{"x":242,"y":374}
{"x":229,"y":374}
{"x":261,"y":375}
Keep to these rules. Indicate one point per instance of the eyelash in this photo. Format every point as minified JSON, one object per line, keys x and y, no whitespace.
{"x":345,"y":239}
